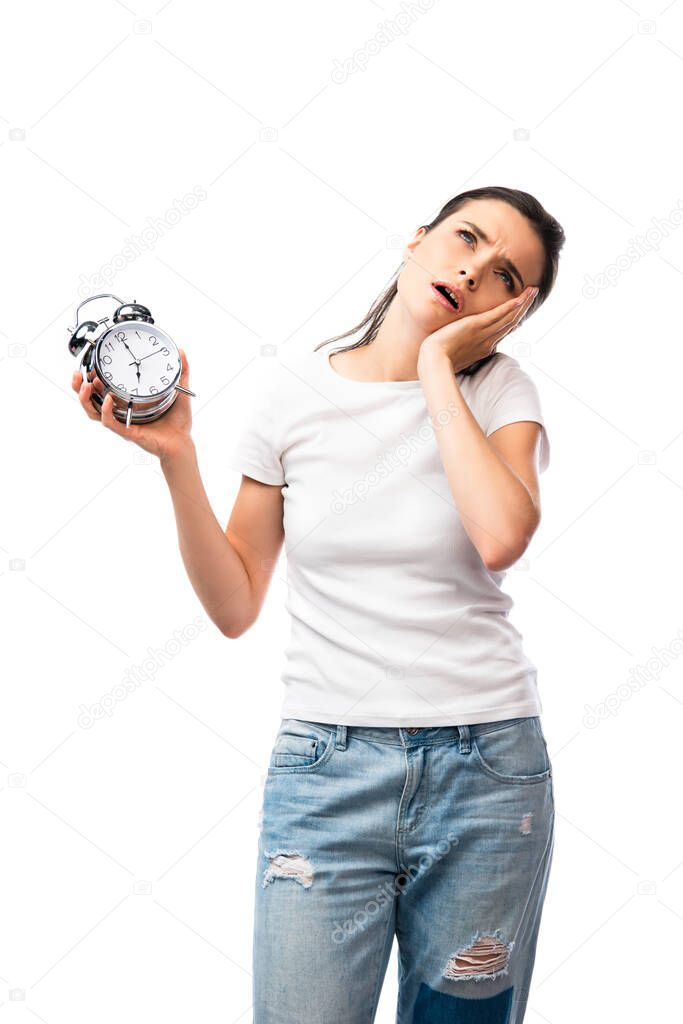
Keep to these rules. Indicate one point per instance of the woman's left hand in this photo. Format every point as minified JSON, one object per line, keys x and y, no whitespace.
{"x":474,"y":337}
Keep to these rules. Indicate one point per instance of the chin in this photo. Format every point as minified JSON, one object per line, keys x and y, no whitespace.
{"x":429,"y":319}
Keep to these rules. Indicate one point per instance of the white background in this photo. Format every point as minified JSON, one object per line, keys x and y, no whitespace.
{"x":109,"y":114}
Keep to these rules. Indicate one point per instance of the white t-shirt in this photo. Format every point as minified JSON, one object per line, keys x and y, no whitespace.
{"x":395,"y":619}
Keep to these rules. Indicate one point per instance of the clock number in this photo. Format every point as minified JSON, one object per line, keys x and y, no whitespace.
{"x":164,"y":351}
{"x":153,"y":339}
{"x":164,"y":380}
{"x":110,"y":346}
{"x":108,"y":376}
{"x":152,"y":390}
{"x":133,"y":391}
{"x":120,"y":335}
{"x":106,"y":360}
{"x":169,"y":366}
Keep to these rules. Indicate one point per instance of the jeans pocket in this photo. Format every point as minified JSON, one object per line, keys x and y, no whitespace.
{"x":301,"y":746}
{"x":514,"y":752}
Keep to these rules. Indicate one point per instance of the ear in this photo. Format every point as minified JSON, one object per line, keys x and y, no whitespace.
{"x":414,"y":242}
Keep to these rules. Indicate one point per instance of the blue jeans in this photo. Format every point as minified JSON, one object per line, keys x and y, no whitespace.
{"x":440,"y":836}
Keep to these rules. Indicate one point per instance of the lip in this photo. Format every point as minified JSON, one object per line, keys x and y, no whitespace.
{"x":444,"y":301}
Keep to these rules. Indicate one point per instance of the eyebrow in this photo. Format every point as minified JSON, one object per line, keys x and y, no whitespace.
{"x":508,"y":264}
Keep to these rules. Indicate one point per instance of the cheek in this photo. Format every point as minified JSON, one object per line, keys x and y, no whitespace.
{"x":491,"y":295}
{"x":420,"y":270}
{"x":406,"y":284}
{"x":413,"y":289}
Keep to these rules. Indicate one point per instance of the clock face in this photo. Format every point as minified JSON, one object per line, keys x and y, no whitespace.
{"x":137,"y":359}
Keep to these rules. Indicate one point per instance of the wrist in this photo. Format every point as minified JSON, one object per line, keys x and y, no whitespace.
{"x":177,"y":455}
{"x":432,"y":357}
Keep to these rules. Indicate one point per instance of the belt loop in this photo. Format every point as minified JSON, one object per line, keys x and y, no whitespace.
{"x":464,"y":732}
{"x":340,"y":741}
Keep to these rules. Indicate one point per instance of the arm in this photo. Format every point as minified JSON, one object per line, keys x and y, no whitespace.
{"x":230,"y":570}
{"x":493,"y":480}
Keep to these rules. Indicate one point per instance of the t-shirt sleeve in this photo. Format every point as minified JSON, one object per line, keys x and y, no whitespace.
{"x":257,"y":451}
{"x":513,"y":396}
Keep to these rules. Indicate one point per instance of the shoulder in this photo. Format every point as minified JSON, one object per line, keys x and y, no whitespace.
{"x":499,"y":376}
{"x":300,"y":366}
{"x":508,"y":394}
{"x":273,"y":374}
{"x":301,"y":376}
{"x":501,"y":370}
{"x":502,"y":379}
{"x":282,"y":385}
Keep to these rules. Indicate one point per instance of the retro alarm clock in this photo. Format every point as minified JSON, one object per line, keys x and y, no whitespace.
{"x":137,"y":362}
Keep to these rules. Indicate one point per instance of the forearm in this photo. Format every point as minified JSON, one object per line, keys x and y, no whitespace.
{"x":495,"y":506}
{"x":215,"y":570}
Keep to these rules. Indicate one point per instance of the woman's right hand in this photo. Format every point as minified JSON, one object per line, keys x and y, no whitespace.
{"x":165,"y":437}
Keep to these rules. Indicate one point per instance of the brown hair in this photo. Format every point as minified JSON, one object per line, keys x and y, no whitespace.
{"x":549,"y":231}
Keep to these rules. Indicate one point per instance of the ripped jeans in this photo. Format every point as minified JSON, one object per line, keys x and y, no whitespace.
{"x":441,"y":836}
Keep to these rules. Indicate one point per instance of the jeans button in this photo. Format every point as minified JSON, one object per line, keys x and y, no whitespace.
{"x":412,"y":731}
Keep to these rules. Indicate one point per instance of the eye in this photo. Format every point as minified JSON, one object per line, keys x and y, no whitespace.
{"x":509,"y":283}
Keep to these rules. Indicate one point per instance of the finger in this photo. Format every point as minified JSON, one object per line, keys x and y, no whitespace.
{"x":506,"y":328}
{"x":501,"y":331}
{"x":512,"y":320}
{"x":519,"y":310}
{"x":531,"y":298}
{"x":185,"y":369}
{"x":520,"y":316}
{"x":525,"y":307}
{"x":84,"y":397}
{"x":506,"y":311}
{"x":110,"y":421}
{"x":76,"y":380}
{"x":524,"y":301}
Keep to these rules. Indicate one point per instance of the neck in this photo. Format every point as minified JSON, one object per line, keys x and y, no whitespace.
{"x":392,"y":355}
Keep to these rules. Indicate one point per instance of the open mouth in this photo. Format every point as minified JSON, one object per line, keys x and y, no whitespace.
{"x":451,"y":295}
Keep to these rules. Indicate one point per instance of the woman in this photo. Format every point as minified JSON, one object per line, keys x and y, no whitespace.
{"x":409,"y":790}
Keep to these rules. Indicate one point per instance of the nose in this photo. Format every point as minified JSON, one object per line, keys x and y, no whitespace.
{"x":466,"y":278}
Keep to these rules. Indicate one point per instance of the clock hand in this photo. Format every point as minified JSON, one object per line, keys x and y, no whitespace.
{"x":150,"y":354}
{"x":132,"y":353}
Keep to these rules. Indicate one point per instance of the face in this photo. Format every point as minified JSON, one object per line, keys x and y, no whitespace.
{"x":481,"y":273}
{"x":139,"y":359}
